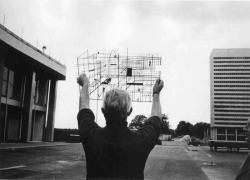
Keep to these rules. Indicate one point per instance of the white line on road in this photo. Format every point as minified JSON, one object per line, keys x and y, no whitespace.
{"x":13,"y":167}
{"x":209,"y":155}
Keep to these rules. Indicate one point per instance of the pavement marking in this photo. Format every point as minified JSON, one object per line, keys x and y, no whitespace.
{"x":209,"y":155}
{"x":64,"y":162}
{"x":22,"y":146}
{"x":12,"y":167}
{"x":210,"y":162}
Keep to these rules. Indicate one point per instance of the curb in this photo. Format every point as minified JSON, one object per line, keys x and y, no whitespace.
{"x":24,"y":146}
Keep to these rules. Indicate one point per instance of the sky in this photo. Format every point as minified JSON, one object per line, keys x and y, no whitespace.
{"x":183,"y":33}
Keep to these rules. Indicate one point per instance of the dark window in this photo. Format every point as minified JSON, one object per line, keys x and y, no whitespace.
{"x":41,"y":92}
{"x":12,"y":83}
{"x":220,"y":130}
{"x":232,"y":94}
{"x":221,"y":134}
{"x":5,"y":81}
{"x":17,"y":86}
{"x":238,"y":77}
{"x":232,"y":65}
{"x":231,"y":81}
{"x":241,"y":136}
{"x":234,"y":85}
{"x":237,"y":115}
{"x":237,"y":98}
{"x":230,"y":119}
{"x":231,"y":69}
{"x":230,"y":110}
{"x":231,"y":73}
{"x":231,"y":61}
{"x":231,"y":57}
{"x":230,"y":106}
{"x":238,"y":90}
{"x":221,"y":137}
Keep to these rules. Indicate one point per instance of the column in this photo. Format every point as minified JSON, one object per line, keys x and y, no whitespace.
{"x":28,"y":107}
{"x":51,"y":111}
{"x":2,"y":124}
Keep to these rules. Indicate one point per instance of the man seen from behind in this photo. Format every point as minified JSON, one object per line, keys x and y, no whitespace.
{"x":115,"y":152}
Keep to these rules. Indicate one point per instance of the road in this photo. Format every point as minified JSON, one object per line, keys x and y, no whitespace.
{"x":218,"y":165}
{"x":173,"y":161}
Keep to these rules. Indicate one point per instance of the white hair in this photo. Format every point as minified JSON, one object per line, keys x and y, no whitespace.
{"x":117,"y":101}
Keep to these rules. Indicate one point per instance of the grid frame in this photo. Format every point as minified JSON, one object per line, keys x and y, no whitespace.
{"x":107,"y":70}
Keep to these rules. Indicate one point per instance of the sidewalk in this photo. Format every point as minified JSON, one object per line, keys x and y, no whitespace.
{"x":174,"y":143}
{"x":13,"y":146}
{"x":171,"y":161}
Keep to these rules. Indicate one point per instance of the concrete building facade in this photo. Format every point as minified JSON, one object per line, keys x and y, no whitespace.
{"x":230,"y":94}
{"x":28,"y":85}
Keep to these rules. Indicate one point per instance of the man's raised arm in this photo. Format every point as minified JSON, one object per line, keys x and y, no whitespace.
{"x":83,"y":81}
{"x":152,"y":127}
{"x":85,"y":117}
{"x":156,"y":105}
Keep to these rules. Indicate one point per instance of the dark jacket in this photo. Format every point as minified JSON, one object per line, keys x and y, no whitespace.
{"x":244,"y":173}
{"x":115,"y":151}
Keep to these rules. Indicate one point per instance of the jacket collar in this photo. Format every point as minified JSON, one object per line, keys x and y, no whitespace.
{"x":116,"y":123}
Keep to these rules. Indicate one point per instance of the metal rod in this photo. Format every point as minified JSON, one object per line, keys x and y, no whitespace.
{"x":118,"y":72}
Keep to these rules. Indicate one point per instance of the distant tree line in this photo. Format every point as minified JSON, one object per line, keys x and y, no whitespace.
{"x":139,"y":121}
{"x":183,"y":128}
{"x":197,"y":130}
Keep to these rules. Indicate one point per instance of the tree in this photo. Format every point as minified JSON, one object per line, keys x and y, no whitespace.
{"x":171,"y":132}
{"x":165,"y":125}
{"x":199,"y":129}
{"x":137,"y":122}
{"x":184,"y":128}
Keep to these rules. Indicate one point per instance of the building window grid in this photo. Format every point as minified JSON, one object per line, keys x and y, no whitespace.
{"x":231,"y":62}
{"x":232,"y":65}
{"x":235,"y":115}
{"x":230,"y":74}
{"x":231,"y":69}
{"x":230,"y":119}
{"x":232,"y":82}
{"x":230,"y":110}
{"x":231,"y":85}
{"x":231,"y":77}
{"x":230,"y":102}
{"x":233,"y":134}
{"x":243,"y":57}
{"x":237,"y":90}
{"x":232,"y":94}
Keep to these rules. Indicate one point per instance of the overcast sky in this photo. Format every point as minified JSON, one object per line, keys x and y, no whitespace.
{"x":183,"y":33}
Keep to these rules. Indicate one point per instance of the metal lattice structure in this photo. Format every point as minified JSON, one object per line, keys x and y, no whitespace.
{"x":136,"y":74}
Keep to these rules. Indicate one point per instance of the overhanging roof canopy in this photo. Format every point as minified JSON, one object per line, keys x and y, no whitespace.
{"x":37,"y":56}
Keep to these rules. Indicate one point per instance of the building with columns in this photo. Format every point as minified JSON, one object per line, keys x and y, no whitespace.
{"x":28,"y":85}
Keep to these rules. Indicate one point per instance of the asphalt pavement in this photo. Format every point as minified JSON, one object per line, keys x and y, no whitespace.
{"x":172,"y":160}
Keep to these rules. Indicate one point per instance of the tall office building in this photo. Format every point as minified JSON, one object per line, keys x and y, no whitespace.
{"x":28,"y":83}
{"x":230,"y":95}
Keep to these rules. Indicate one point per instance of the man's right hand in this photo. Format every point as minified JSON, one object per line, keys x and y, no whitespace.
{"x":156,"y":105}
{"x":158,"y":86}
{"x":82,"y":80}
